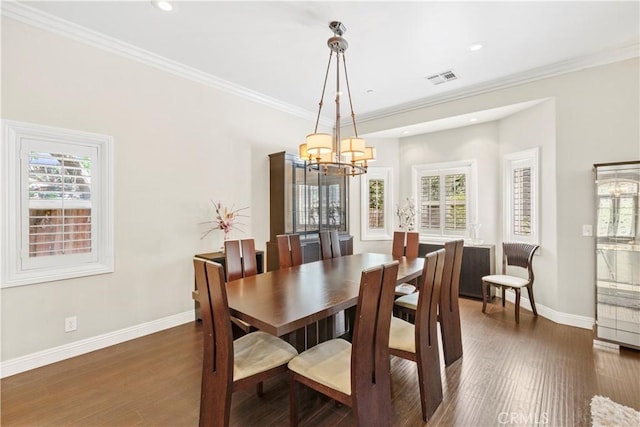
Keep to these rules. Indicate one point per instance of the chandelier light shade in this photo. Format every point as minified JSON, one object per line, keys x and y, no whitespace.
{"x":328,"y":153}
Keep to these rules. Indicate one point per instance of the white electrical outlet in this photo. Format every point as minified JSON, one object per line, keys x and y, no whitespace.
{"x":587,"y":230}
{"x":70,"y":324}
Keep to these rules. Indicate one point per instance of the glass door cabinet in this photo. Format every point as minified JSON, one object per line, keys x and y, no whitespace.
{"x":305,"y":201}
{"x":618,"y":253}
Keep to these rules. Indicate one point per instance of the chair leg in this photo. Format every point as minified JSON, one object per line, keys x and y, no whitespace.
{"x":293,"y":402}
{"x":518,"y":291}
{"x":504,"y":294}
{"x":485,"y":287}
{"x":259,"y":389}
{"x":533,"y":302}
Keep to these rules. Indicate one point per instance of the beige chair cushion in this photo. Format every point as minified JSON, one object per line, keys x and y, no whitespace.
{"x":258,"y":352}
{"x":408,"y":301}
{"x":512,"y":281}
{"x":405,"y":289}
{"x":328,"y":363}
{"x":402,"y":335}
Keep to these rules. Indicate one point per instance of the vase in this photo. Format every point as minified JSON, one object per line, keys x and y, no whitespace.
{"x":226,"y":237}
{"x":475,"y":234}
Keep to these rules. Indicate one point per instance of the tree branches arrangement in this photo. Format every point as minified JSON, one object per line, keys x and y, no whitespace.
{"x":226,"y":219}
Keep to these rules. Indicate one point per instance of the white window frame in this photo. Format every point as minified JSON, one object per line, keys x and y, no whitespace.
{"x":17,"y":268}
{"x":531,"y":158}
{"x":378,"y":173}
{"x":469,"y":168}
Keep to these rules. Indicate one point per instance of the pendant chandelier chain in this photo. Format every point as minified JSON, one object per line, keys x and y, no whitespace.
{"x":324,"y":87}
{"x":346,"y":78}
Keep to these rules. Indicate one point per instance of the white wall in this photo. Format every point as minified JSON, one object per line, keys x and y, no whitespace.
{"x":597,"y":119}
{"x":536,"y":127}
{"x":178,"y":144}
{"x":386,"y":156}
{"x":478,"y":142}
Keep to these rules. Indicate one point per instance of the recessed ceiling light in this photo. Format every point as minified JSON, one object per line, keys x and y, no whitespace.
{"x":163,"y":5}
{"x":473,"y":119}
{"x":406,"y":132}
{"x":475,"y":47}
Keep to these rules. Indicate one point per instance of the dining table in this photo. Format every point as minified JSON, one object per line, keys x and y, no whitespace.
{"x":283,"y":301}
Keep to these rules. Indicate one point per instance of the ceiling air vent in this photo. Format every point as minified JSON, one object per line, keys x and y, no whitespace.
{"x":443,"y":77}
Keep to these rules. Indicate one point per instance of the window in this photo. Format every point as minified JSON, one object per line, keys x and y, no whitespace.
{"x":57,"y":216}
{"x":521,"y":196}
{"x":445,"y":197}
{"x":377,"y":219}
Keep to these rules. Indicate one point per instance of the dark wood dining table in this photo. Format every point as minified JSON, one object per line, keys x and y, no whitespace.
{"x":283,"y":301}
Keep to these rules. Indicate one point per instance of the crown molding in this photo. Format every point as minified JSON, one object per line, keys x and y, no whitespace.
{"x":621,"y":53}
{"x":48,"y":22}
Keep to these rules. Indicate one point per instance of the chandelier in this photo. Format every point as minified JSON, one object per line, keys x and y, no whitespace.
{"x":328,"y":153}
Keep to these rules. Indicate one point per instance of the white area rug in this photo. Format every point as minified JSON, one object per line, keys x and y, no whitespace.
{"x":607,"y":413}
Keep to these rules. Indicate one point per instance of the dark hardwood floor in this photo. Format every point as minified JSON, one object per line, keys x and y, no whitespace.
{"x":534,"y":373}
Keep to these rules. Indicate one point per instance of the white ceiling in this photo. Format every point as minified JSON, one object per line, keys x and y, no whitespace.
{"x":278,"y":49}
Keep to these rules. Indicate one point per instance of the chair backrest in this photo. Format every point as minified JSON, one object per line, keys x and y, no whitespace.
{"x":289,"y":250}
{"x":413,"y":244}
{"x":335,"y":244}
{"x":449,"y":306}
{"x":217,"y":362}
{"x":397,"y":248}
{"x":370,"y":365}
{"x":450,"y":284}
{"x":296,"y":249}
{"x":426,"y":330}
{"x":232,"y":259}
{"x":325,"y":245}
{"x":249,"y":262}
{"x":284,"y":255}
{"x":519,"y":255}
{"x":427,"y":310}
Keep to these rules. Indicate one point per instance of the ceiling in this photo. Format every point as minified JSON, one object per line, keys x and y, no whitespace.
{"x":278,"y":49}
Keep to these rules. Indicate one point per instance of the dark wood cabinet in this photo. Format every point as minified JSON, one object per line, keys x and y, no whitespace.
{"x":477,"y":261}
{"x":304,"y":202}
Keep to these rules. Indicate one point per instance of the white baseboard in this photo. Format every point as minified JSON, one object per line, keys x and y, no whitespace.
{"x":76,"y":348}
{"x":605,"y":344}
{"x":568,"y":319}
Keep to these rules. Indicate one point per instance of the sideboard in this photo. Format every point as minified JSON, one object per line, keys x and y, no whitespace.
{"x":477,"y":261}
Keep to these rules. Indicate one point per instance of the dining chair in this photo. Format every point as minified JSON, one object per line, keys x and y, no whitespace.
{"x":232,"y":259}
{"x":329,"y":244}
{"x":249,"y":262}
{"x":419,"y":342}
{"x":410,"y":251}
{"x":517,"y":255}
{"x":289,"y":250}
{"x":355,"y":374}
{"x":229,"y":365}
{"x":448,"y":302}
{"x":238,"y":266}
{"x":325,"y":245}
{"x":397,"y":245}
{"x":335,"y":244}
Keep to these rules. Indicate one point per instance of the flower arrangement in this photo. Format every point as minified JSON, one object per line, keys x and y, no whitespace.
{"x":226,"y":219}
{"x":406,"y":214}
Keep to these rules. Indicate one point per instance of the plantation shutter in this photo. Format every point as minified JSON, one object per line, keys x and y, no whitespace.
{"x":455,"y":202}
{"x":57,"y":202}
{"x":521,"y":181}
{"x":430,"y":202}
